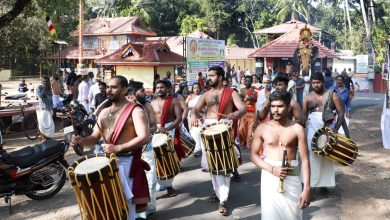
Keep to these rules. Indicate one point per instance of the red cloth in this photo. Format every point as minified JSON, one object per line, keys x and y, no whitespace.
{"x":251,"y":106}
{"x":138,"y":167}
{"x":225,"y":97}
{"x":164,"y":117}
{"x":201,"y":82}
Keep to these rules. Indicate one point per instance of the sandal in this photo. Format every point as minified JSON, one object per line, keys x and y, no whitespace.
{"x":213,"y":198}
{"x":171,"y":192}
{"x":223,"y":209}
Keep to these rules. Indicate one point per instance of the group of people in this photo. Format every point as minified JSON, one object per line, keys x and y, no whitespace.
{"x":268,"y":119}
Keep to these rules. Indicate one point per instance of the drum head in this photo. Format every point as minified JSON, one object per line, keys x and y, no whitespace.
{"x":159,"y":139}
{"x":91,"y":165}
{"x":215,"y":129}
{"x":322,"y":141}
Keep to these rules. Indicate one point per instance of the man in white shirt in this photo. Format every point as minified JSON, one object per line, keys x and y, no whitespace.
{"x":83,"y":93}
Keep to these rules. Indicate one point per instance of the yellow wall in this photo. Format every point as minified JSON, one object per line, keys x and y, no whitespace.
{"x":143,"y":74}
{"x":244,"y":64}
{"x":162,"y":70}
{"x":138,"y":73}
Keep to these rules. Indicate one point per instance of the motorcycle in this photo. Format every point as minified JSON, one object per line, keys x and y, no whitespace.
{"x":38,"y":171}
{"x":78,"y":122}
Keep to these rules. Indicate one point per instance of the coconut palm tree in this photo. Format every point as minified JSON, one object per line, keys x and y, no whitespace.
{"x":293,"y":9}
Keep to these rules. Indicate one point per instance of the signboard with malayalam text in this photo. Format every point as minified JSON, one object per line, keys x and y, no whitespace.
{"x":203,"y":54}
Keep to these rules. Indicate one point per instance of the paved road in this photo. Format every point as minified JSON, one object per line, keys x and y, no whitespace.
{"x":194,"y":187}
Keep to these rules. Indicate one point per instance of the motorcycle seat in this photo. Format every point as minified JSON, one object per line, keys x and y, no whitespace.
{"x":30,"y":155}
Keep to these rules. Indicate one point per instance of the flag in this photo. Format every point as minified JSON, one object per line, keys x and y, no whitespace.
{"x":50,"y":26}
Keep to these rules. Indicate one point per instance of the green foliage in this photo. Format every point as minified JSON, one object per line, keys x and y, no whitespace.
{"x":192,"y":23}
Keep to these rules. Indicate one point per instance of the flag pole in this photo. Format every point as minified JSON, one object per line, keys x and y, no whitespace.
{"x":81,"y":12}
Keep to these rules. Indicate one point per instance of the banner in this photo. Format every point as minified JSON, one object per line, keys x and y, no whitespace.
{"x":203,"y":54}
{"x":362,"y":64}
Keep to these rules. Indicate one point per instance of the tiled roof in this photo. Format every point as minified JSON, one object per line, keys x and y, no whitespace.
{"x":147,"y":53}
{"x":286,"y":27}
{"x":287,"y":44}
{"x":238,"y":53}
{"x":73,"y":53}
{"x":114,"y":26}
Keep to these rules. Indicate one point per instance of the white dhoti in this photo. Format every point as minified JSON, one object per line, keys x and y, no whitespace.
{"x":385,"y":126}
{"x":195,"y":134}
{"x":280,"y":206}
{"x":169,"y":182}
{"x":57,"y":102}
{"x":45,"y":122}
{"x":221,"y":183}
{"x":124,"y":165}
{"x":322,"y":170}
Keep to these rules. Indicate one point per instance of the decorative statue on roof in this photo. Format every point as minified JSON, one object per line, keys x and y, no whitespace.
{"x":305,"y":48}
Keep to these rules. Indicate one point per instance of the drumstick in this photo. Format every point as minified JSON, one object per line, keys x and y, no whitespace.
{"x":101,"y":133}
{"x":219,"y":113}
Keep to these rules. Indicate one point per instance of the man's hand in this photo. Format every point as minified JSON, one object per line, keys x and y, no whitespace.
{"x":194,"y":121}
{"x":280,"y":172}
{"x":162,"y":130}
{"x":110,"y":148}
{"x":348,"y":114}
{"x":77,"y":140}
{"x":233,"y":116}
{"x":305,"y":199}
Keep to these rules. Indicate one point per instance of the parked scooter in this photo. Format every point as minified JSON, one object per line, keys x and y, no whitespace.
{"x":38,"y":171}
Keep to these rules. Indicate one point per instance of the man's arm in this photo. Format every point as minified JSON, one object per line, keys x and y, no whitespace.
{"x":297,"y":112}
{"x":183,"y":106}
{"x":197,"y":108}
{"x":91,"y":140}
{"x":152,"y":118}
{"x":241,"y":110}
{"x":340,"y":111}
{"x":304,"y":110}
{"x":264,"y":110}
{"x":257,"y":143}
{"x":178,"y":114}
{"x":305,"y":167}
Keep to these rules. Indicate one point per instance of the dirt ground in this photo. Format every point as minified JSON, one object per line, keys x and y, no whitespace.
{"x":364,"y":187}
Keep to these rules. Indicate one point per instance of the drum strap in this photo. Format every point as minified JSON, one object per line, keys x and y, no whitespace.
{"x":225,"y":97}
{"x":165,"y":110}
{"x":164,"y":117}
{"x":121,"y":121}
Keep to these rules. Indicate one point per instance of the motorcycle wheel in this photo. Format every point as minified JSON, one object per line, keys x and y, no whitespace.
{"x":50,"y":191}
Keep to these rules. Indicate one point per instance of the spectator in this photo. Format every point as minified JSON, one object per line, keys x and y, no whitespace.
{"x":102,"y":95}
{"x":71,"y":80}
{"x":22,"y":86}
{"x":299,"y":86}
{"x":83,"y":93}
{"x":93,"y":90}
{"x":44,"y":109}
{"x":57,"y":93}
{"x":328,"y":79}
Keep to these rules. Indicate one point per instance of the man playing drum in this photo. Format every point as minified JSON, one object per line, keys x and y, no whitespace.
{"x":136,"y":92}
{"x":278,"y":136}
{"x":220,"y":102}
{"x":126,"y":141}
{"x":168,"y":117}
{"x":318,"y":107}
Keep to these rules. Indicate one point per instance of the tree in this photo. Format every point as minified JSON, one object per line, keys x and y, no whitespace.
{"x":293,"y":9}
{"x":192,"y":23}
{"x":17,"y":8}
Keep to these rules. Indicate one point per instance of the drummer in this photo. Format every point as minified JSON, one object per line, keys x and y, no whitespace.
{"x":128,"y":141}
{"x":318,"y":111}
{"x":168,"y":117}
{"x":136,"y":92}
{"x":276,"y":134}
{"x":221,"y":103}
